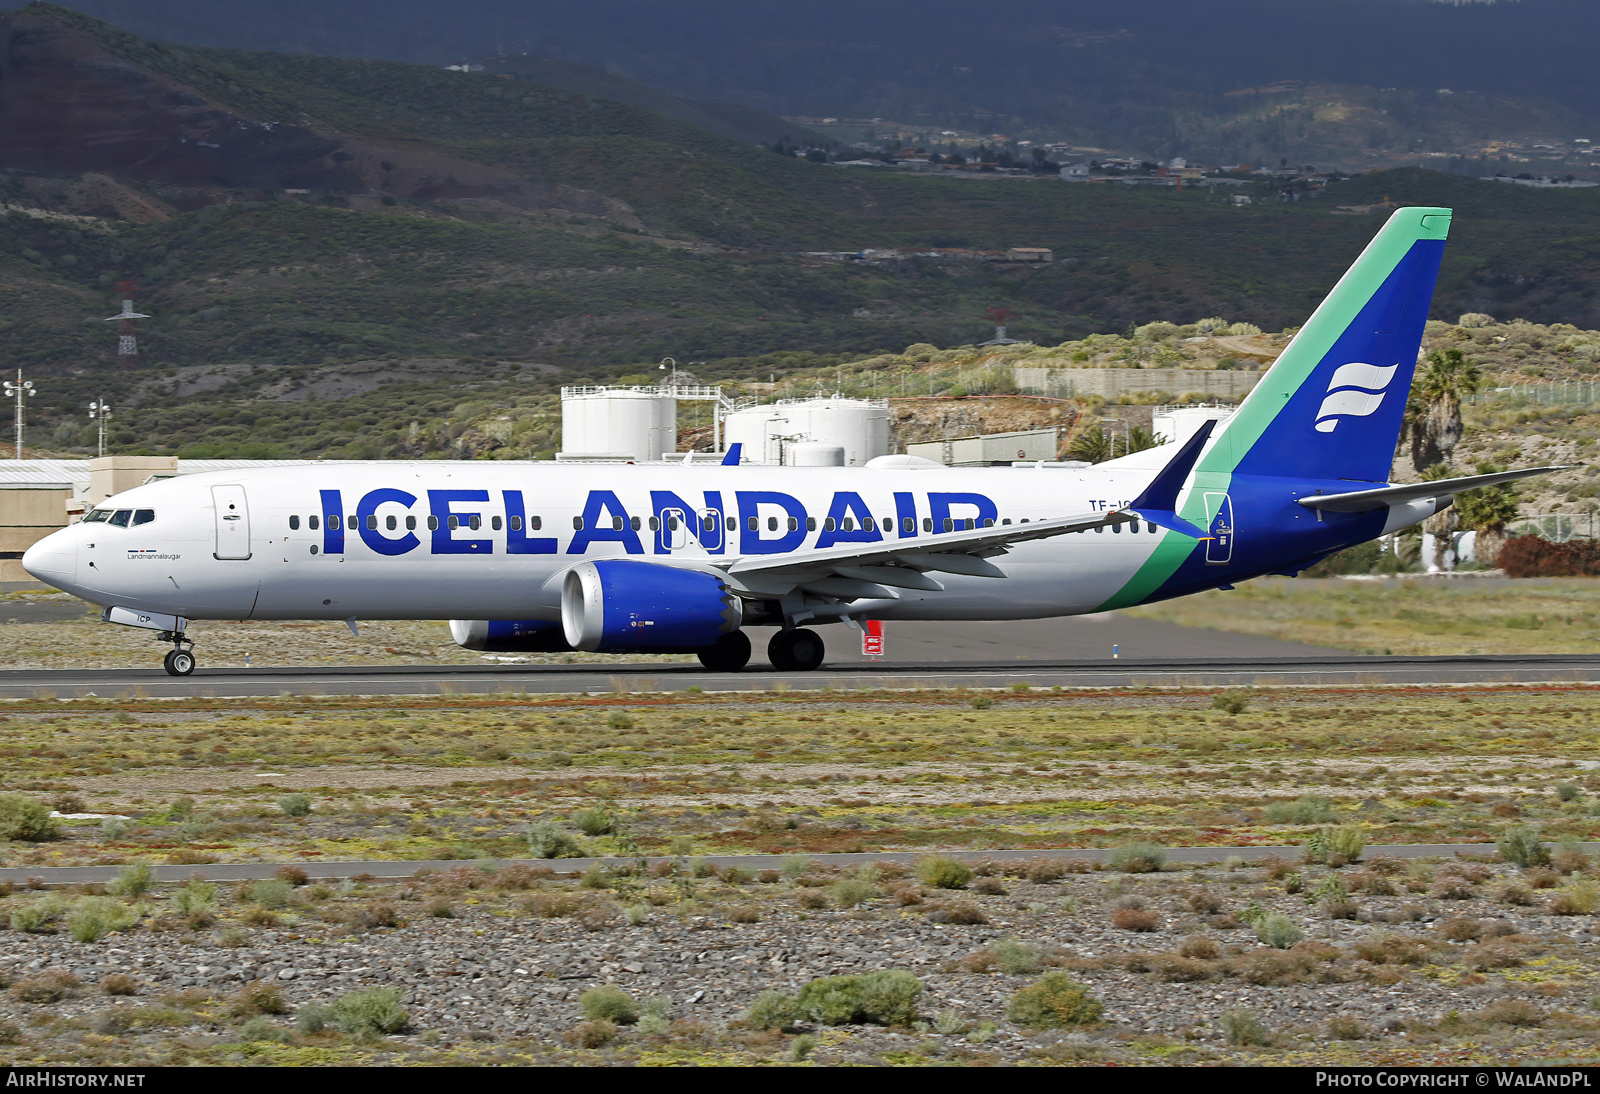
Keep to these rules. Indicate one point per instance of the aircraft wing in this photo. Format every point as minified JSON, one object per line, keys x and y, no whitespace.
{"x":873,"y":570}
{"x":1361,"y":501}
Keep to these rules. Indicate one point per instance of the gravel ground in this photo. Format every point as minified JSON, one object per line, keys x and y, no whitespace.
{"x":484,"y":969}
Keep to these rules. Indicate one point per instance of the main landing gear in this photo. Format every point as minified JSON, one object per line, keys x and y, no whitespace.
{"x":798,"y":650}
{"x":730,"y":653}
{"x":179,"y":661}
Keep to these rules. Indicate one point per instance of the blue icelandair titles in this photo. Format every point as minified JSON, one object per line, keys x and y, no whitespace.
{"x":674,"y":557}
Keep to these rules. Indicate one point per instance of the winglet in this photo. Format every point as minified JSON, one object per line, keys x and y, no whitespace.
{"x":1159,"y":502}
{"x":734,"y":455}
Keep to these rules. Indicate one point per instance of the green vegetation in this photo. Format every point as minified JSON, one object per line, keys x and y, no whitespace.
{"x":1054,"y":1001}
{"x":884,"y":996}
{"x":25,"y":819}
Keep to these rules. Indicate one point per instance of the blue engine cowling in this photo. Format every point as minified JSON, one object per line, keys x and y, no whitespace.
{"x":509,"y":635}
{"x":618,"y":606}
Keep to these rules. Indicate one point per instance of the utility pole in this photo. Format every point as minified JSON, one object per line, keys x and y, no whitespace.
{"x":99,"y":411}
{"x":19,"y":390}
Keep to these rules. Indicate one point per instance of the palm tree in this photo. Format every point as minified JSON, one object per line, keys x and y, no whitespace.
{"x":1443,"y":525}
{"x":1433,"y":412}
{"x":1095,"y":445}
{"x":1487,"y":511}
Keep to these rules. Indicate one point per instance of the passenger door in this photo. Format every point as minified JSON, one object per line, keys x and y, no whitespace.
{"x":232,"y":523}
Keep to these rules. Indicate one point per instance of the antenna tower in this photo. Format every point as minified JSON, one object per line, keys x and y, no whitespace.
{"x":127,"y":343}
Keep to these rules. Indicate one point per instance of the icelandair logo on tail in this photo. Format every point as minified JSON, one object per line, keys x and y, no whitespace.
{"x":1356,"y":391}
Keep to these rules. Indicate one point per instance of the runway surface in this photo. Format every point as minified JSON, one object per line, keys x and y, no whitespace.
{"x":1071,"y":653}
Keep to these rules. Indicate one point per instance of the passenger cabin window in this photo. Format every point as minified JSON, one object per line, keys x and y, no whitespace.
{"x":455,"y":522}
{"x":390,"y":523}
{"x":811,"y":524}
{"x":633,"y":522}
{"x":294,"y":524}
{"x":433,"y":524}
{"x":411,"y":524}
{"x":495,"y":523}
{"x":577,"y":524}
{"x":533,"y":523}
{"x":475,"y":522}
{"x":143,"y":516}
{"x":908,"y":525}
{"x":372,"y":522}
{"x":120,"y":518}
{"x":312,"y":523}
{"x":516,"y":524}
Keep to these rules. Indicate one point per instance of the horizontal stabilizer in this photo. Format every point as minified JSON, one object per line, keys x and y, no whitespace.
{"x":1158,"y":504}
{"x":1362,"y":501}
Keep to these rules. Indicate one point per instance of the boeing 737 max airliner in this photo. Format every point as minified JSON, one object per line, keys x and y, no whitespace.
{"x":657,"y":558}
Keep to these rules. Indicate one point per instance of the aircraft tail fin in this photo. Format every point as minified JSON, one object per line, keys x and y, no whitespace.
{"x":1330,"y":407}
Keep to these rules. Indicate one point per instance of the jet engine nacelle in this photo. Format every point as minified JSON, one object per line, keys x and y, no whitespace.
{"x":618,"y":606}
{"x":509,"y":635}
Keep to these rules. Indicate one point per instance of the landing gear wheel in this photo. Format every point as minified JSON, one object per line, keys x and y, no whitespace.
{"x":178,"y":663}
{"x":730,"y":653}
{"x":795,"y":651}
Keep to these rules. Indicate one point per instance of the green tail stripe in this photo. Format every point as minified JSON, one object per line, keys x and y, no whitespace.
{"x":1214,"y":471}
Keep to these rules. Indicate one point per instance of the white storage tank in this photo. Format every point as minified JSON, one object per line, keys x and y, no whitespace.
{"x":758,"y":429}
{"x":617,"y":423}
{"x":1178,"y":424}
{"x":859,"y":427}
{"x":814,"y":454}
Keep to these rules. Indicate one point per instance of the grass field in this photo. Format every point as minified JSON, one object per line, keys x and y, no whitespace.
{"x":1419,"y":615}
{"x":1381,"y":962}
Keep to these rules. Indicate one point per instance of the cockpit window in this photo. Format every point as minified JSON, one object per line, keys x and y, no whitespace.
{"x":96,"y":516}
{"x":120,"y":518}
{"x":143,"y":516}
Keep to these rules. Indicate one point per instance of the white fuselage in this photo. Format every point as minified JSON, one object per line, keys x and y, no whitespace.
{"x":261,"y":544}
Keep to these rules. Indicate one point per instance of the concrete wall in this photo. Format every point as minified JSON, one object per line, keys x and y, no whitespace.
{"x":113,"y":474}
{"x":28,"y":514}
{"x":1114,"y":384}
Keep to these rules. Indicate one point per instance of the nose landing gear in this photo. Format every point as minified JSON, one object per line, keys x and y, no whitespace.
{"x":179,"y":661}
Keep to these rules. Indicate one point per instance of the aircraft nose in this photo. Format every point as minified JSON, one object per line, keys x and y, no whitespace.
{"x":54,"y":559}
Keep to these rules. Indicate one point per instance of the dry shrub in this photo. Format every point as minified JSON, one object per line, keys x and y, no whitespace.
{"x":1460,"y":929}
{"x":1516,"y":895}
{"x":48,"y":987}
{"x":1181,"y":970}
{"x":1453,"y":887}
{"x":1135,"y":919}
{"x":989,"y":886}
{"x":1579,"y":896}
{"x":1042,"y":871}
{"x":1569,"y":860}
{"x":519,"y":876}
{"x":257,"y":997}
{"x":1371,"y":882}
{"x":1385,"y":948}
{"x":1541,"y":877}
{"x":1347,"y":1027}
{"x":380,"y":913}
{"x":1277,"y":867}
{"x":907,"y":895}
{"x":1512,"y":1012}
{"x":598,"y":914}
{"x":1227,"y":921}
{"x":1340,"y":909}
{"x":460,"y":879}
{"x":1204,"y":902}
{"x":1506,"y":809}
{"x":961,"y":913}
{"x":119,"y":983}
{"x":1078,"y":866}
{"x":811,"y":898}
{"x":294,"y":875}
{"x":980,"y":960}
{"x":551,"y":905}
{"x":1199,"y":946}
{"x":744,"y":913}
{"x":591,"y":1034}
{"x":1386,"y":865}
{"x":1492,"y":955}
{"x":1275,"y":968}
